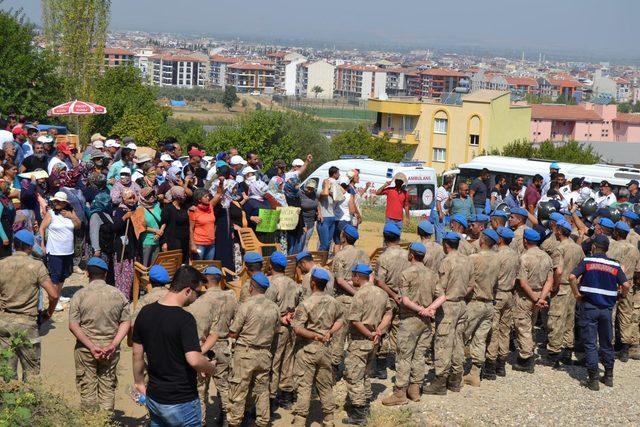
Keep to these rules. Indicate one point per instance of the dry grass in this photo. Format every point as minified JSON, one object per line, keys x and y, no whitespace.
{"x":392,"y":417}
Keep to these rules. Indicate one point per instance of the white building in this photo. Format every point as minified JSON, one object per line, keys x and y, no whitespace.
{"x":312,"y":74}
{"x":291,"y":62}
{"x":179,"y":70}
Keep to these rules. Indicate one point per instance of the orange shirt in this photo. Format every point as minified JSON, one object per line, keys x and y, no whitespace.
{"x":203,"y":230}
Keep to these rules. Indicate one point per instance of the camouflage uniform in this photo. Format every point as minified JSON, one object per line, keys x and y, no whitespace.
{"x":517,"y":243}
{"x":369,"y":305}
{"x":244,"y":291}
{"x":465,"y":248}
{"x":344,"y":260}
{"x":20,"y":278}
{"x":149,"y":298}
{"x":418,"y":283}
{"x":99,"y":309}
{"x":628,"y":307}
{"x":306,"y":283}
{"x":535,"y":268}
{"x":563,"y":304}
{"x":255,"y":323}
{"x":434,"y":255}
{"x":285,"y":293}
{"x":486,"y":268}
{"x":213,"y":312}
{"x":634,"y":238}
{"x":316,"y":313}
{"x":508,"y":264}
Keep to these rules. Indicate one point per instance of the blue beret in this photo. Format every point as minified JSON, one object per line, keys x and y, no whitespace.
{"x":565,"y":224}
{"x":480,"y":218}
{"x":362,"y":269}
{"x":631,"y":215}
{"x":320,"y":274}
{"x":531,"y":235}
{"x":556,"y":216}
{"x":278,"y":258}
{"x":623,"y":226}
{"x":302,"y":255}
{"x":450,"y":235}
{"x":25,"y":237}
{"x":554,"y":165}
{"x":391,"y":228}
{"x":351,"y":231}
{"x":491,"y":234}
{"x":520,"y":211}
{"x":159,"y":274}
{"x":426,"y":226}
{"x":502,"y":214}
{"x":418,"y":247}
{"x":252,"y":257}
{"x":212,"y":271}
{"x":606,"y":223}
{"x":260,"y":279}
{"x":505,"y":232}
{"x":97,"y":262}
{"x":460,"y":219}
{"x":601,"y":240}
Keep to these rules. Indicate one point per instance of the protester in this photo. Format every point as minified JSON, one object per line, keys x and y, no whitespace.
{"x":201,"y":226}
{"x":397,"y":200}
{"x":126,"y":242}
{"x":151,"y":218}
{"x":479,"y":191}
{"x":175,"y":222}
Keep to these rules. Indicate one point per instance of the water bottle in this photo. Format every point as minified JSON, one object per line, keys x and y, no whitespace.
{"x":136,"y":396}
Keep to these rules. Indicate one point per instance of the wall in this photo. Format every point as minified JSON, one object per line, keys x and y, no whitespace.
{"x":380,"y":85}
{"x":321,"y":73}
{"x":290,"y":73}
{"x":367,"y":81}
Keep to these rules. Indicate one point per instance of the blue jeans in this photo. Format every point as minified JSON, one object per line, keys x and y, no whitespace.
{"x":594,"y":325}
{"x":188,"y":414}
{"x":326,"y":228}
{"x":206,"y":252}
{"x":438,"y":225}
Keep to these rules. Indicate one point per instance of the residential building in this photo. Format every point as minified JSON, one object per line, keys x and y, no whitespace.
{"x":292,"y":61}
{"x":522,"y":85}
{"x":179,"y":70}
{"x":114,"y":56}
{"x":312,"y":74}
{"x":413,"y":82}
{"x":438,"y":81}
{"x":141,"y":62}
{"x":396,"y":81}
{"x":251,"y":76}
{"x":218,"y":68}
{"x":555,"y":87}
{"x":360,"y":81}
{"x":447,"y":134}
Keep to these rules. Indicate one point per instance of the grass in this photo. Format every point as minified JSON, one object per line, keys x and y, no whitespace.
{"x":386,"y":417}
{"x":337,"y":113}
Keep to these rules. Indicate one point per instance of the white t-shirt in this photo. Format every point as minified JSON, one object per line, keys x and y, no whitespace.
{"x":59,"y":235}
{"x":606,"y":201}
{"x":342,"y":208}
{"x":441,"y":196}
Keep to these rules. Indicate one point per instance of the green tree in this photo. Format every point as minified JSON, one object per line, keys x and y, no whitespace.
{"x":570,"y":152}
{"x":317,"y":90}
{"x":230,"y":97}
{"x":360,"y":141}
{"x":29,"y":84}
{"x":624,"y":107}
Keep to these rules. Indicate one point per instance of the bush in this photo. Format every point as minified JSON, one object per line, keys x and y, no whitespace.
{"x":570,"y":152}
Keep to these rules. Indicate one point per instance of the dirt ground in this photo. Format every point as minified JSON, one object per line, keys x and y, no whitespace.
{"x":58,"y":369}
{"x":214,"y":112}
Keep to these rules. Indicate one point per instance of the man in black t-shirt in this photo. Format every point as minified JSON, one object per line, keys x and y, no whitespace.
{"x":479,"y":190}
{"x":38,"y":160}
{"x":168,"y":336}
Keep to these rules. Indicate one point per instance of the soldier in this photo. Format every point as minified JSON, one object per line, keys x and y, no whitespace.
{"x":159,"y":278}
{"x":417,"y":288}
{"x":632,"y":219}
{"x":286,"y":294}
{"x":19,"y":282}
{"x":214,"y":311}
{"x":254,"y":327}
{"x":391,"y":264}
{"x":315,"y":321}
{"x":434,"y":254}
{"x":459,"y":225}
{"x":99,"y":318}
{"x":476,"y":227}
{"x":455,"y":275}
{"x":306,"y":264}
{"x":498,"y":348}
{"x":253,"y":262}
{"x":621,"y":250}
{"x":535,"y":279}
{"x":517,"y":222}
{"x":562,"y":308}
{"x":369,"y":317}
{"x":498,"y":219}
{"x":486,"y":268}
{"x":343,"y":261}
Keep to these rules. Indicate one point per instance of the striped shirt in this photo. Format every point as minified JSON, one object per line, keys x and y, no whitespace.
{"x":599,"y":279}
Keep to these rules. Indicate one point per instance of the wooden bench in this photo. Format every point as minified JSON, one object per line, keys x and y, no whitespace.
{"x":170,"y":260}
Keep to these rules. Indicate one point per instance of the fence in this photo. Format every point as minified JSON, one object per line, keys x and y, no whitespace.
{"x":329,"y":108}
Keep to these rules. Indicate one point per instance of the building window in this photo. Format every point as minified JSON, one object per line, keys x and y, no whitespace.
{"x":439,"y":154}
{"x":474,"y":140}
{"x":440,"y":126}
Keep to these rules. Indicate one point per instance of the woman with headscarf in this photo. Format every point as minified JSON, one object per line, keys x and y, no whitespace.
{"x":150,"y":237}
{"x":276,"y":198}
{"x":123,"y":182}
{"x":257,"y":200}
{"x":125,"y":243}
{"x":295,"y":237}
{"x":175,"y":222}
{"x":7,"y":216}
{"x":229,"y":216}
{"x":173,"y":179}
{"x":102,"y":244}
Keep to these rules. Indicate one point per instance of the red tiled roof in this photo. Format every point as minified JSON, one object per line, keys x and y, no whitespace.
{"x":563,"y":112}
{"x":521,"y":81}
{"x":249,"y":66}
{"x":563,"y":83}
{"x":358,"y":67}
{"x":226,"y":59}
{"x":117,"y":51}
{"x":633,"y":119}
{"x":444,"y":72}
{"x":276,"y":54}
{"x":183,"y":58}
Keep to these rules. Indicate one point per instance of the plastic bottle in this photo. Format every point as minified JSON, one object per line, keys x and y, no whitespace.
{"x":136,"y":396}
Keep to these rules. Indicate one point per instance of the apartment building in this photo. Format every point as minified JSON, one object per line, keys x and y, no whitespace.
{"x":142,"y":63}
{"x":251,"y":76}
{"x":396,"y":81}
{"x":291,"y":63}
{"x":179,"y":70}
{"x":438,"y":81}
{"x":617,"y":88}
{"x":311,"y":74}
{"x":360,"y":81}
{"x":218,"y":68}
{"x":554,"y":87}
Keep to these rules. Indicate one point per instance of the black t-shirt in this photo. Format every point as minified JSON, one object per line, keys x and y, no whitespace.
{"x":480,"y":195}
{"x":167,"y":333}
{"x":32,"y":163}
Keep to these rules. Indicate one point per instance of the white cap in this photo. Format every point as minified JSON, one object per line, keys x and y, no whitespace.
{"x":131,"y":146}
{"x":207,"y":158}
{"x":109,"y":143}
{"x":98,"y":144}
{"x":297,"y":162}
{"x":177,"y":163}
{"x":60,"y":196}
{"x":248,"y":169}
{"x":45,"y":139}
{"x":166,"y":158}
{"x":125,"y":170}
{"x":237,"y":160}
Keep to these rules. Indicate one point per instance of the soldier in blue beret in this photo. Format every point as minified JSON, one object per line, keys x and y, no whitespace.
{"x":434,"y":254}
{"x":254,"y":263}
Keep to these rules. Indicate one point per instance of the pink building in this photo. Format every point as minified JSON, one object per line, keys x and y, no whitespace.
{"x":584,"y":122}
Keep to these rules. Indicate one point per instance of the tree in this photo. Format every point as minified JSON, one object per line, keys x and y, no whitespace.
{"x":570,"y":152}
{"x":29,"y":84}
{"x":360,"y":141}
{"x":230,"y":97}
{"x":317,"y":90}
{"x":624,"y":107}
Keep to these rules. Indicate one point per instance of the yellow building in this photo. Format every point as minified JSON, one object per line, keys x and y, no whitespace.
{"x":449,"y":133}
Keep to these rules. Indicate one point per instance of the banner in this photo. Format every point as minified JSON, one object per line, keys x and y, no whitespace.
{"x":288,"y":218}
{"x":268,"y":221}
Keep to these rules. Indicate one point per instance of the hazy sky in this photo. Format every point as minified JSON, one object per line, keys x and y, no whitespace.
{"x":578,"y":27}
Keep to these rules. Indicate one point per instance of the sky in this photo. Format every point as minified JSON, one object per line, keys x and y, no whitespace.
{"x":572,"y":27}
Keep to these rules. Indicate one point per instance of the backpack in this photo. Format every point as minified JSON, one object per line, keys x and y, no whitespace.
{"x":106,"y":235}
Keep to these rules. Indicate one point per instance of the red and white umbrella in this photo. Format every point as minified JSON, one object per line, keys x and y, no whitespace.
{"x":76,"y":108}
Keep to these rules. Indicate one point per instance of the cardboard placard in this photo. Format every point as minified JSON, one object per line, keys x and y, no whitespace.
{"x":268,"y":220}
{"x":288,"y":218}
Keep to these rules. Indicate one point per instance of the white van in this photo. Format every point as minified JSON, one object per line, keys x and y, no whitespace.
{"x":421,"y":186}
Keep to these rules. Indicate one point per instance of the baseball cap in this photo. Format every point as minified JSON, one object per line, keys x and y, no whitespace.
{"x":194,"y":152}
{"x":111,"y":143}
{"x":391,"y":228}
{"x":97,"y":262}
{"x":97,"y":144}
{"x":505,"y":232}
{"x":491,"y":234}
{"x":632,"y":182}
{"x":253,"y":257}
{"x":320,"y":274}
{"x":351,"y":231}
{"x":351,"y":173}
{"x":25,"y":237}
{"x":64,"y":148}
{"x":125,"y":170}
{"x":601,"y":241}
{"x":606,"y":223}
{"x":520,"y":211}
{"x":131,"y":146}
{"x":460,"y":220}
{"x":426,"y":226}
{"x":279,"y":259}
{"x":60,"y":196}
{"x":212,"y":271}
{"x":418,"y":248}
{"x":159,"y":274}
{"x":531,"y":235}
{"x":37,"y":174}
{"x":312,"y":183}
{"x":166,"y":158}
{"x":248,"y":169}
{"x":97,"y":137}
{"x":302,"y":255}
{"x":260,"y":279}
{"x":400,"y":176}
{"x":362,"y":269}
{"x":450,"y":235}
{"x":237,"y":160}
{"x":18,"y":130}
{"x":297,"y":162}
{"x":554,"y":165}
{"x":45,"y":139}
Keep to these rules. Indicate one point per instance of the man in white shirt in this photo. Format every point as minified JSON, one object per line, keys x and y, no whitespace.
{"x":605,"y":197}
{"x":438,"y":211}
{"x":298,"y":167}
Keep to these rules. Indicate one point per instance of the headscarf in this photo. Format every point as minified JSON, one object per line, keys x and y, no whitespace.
{"x":147,"y":197}
{"x":127,"y":193}
{"x":175,"y":193}
{"x":257,"y":190}
{"x":275,"y":189}
{"x":173,"y":174}
{"x":101,"y":203}
{"x":292,"y":190}
{"x":227,"y":194}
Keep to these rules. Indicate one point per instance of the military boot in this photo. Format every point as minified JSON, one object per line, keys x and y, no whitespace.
{"x":553,"y":360}
{"x":500,"y":367}
{"x":437,"y":387}
{"x":565,"y":356}
{"x":356,"y":415}
{"x":473,"y":377}
{"x":413,"y":392}
{"x":381,"y":368}
{"x":399,"y":397}
{"x":607,"y":378}
{"x":489,"y":370}
{"x":634,"y":352}
{"x":454,"y":382}
{"x":624,"y":353}
{"x":592,"y":382}
{"x":524,"y":365}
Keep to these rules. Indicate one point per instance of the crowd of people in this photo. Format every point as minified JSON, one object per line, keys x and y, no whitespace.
{"x":489,"y":266}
